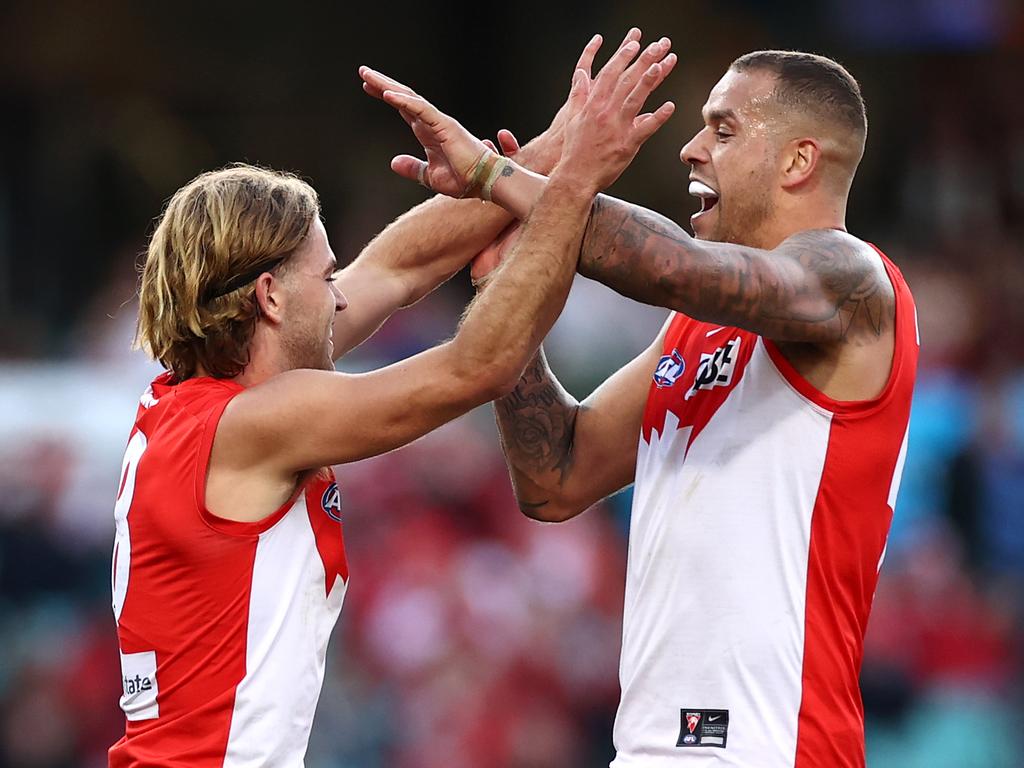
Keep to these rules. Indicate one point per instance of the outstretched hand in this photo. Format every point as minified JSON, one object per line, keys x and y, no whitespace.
{"x":452,"y":152}
{"x":553,"y":138}
{"x":605,"y":131}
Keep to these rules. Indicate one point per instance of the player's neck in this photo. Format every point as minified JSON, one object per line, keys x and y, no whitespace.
{"x":806,"y":214}
{"x":266,"y":360}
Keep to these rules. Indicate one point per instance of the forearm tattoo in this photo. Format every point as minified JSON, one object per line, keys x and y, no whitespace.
{"x":817,"y":286}
{"x":537,"y":421}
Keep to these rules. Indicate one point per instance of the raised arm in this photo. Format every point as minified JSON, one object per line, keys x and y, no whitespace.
{"x":564,"y":456}
{"x":427,"y":245}
{"x":823,"y":287}
{"x":415,"y":254}
{"x":818,"y":286}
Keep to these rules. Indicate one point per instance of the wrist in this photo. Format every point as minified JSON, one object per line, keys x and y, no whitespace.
{"x":517,"y":189}
{"x":479,"y":173}
{"x":565,"y":174}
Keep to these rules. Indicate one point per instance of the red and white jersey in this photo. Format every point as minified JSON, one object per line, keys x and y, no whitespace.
{"x":223,"y":626}
{"x":759,"y":523}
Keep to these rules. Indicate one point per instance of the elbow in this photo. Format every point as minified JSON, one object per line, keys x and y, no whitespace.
{"x":489,"y":378}
{"x":492,"y":382}
{"x":407,"y":291}
{"x":506,"y":367}
{"x":504,"y":384}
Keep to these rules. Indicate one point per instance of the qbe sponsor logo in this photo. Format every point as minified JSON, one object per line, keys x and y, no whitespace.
{"x":715,"y":368}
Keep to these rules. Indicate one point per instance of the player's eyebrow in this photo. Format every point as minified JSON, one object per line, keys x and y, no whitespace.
{"x":719,"y":115}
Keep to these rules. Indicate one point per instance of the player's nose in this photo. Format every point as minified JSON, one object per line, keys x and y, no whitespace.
{"x":694,"y":151}
{"x":340,"y":300}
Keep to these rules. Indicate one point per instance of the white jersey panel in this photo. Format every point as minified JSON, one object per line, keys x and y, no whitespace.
{"x":288,"y":620}
{"x":717,"y":574}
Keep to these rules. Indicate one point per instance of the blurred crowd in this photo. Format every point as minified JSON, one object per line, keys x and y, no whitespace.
{"x":474,"y":637}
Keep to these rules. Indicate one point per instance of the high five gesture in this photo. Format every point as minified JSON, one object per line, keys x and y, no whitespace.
{"x":600,"y":127}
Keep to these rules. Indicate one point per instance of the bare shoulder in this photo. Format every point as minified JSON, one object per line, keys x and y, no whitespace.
{"x":851,"y":275}
{"x":243,"y":482}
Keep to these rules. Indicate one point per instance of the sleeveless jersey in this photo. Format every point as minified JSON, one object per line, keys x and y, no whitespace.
{"x":222,"y":625}
{"x":760,"y":516}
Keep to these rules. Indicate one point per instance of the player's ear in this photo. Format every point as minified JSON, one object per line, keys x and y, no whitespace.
{"x":269,"y":297}
{"x":799,"y":159}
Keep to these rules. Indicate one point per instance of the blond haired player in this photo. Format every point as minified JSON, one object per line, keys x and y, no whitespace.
{"x":764,"y":429}
{"x":229,"y":567}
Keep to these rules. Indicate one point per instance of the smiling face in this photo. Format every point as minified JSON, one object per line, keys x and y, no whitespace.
{"x":734,"y":160}
{"x":313,"y":300}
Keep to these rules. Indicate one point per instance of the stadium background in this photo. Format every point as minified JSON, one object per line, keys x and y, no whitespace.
{"x":472,"y":637}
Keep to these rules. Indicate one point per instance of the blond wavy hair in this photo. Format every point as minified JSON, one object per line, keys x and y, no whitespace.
{"x":196,"y":307}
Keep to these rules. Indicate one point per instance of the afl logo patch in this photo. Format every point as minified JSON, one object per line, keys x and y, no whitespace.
{"x":670,"y":368}
{"x":331,"y":502}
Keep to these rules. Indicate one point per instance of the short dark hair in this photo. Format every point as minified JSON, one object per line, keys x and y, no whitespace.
{"x":814,"y":83}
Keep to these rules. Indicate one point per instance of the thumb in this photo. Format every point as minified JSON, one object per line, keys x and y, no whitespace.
{"x":509,"y":143}
{"x":409,"y":167}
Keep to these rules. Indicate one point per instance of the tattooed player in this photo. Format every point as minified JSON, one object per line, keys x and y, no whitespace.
{"x":765,"y":429}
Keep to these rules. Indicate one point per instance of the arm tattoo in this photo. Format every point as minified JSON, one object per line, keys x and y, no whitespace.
{"x":818,"y":286}
{"x":537,"y":421}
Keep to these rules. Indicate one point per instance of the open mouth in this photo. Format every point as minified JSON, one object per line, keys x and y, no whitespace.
{"x":707,"y":196}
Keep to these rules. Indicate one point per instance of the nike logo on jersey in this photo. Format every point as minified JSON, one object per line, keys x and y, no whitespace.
{"x":703,"y":728}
